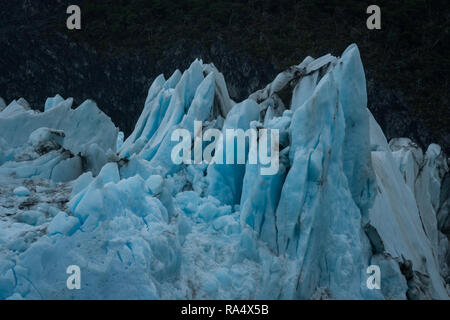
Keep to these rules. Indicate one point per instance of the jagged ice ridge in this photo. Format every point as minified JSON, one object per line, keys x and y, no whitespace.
{"x":73,"y":192}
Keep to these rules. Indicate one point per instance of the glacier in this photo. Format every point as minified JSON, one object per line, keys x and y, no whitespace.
{"x":74,"y":191}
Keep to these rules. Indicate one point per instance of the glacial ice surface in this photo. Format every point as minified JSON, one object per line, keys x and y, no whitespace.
{"x":139,"y":226}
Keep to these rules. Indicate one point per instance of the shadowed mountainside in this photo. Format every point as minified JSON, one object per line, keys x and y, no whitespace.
{"x":125,"y":44}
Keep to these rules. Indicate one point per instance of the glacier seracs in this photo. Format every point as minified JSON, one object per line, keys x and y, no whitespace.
{"x":141,"y":227}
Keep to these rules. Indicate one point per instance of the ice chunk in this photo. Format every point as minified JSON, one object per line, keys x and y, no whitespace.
{"x":303,"y":90}
{"x":163,"y":112}
{"x":199,"y":110}
{"x":222,"y":102}
{"x":53,"y":102}
{"x":120,"y":138}
{"x":40,"y":167}
{"x":261,"y":194}
{"x":398,"y":223}
{"x":63,"y":224}
{"x":350,"y":77}
{"x":31,"y":217}
{"x":321,"y":62}
{"x":140,"y":226}
{"x":2,"y":104}
{"x":67,"y":170}
{"x":22,"y":192}
{"x":44,"y":140}
{"x":318,"y":222}
{"x":24,"y":103}
{"x":109,"y":173}
{"x":225,"y":180}
{"x":155,"y":184}
{"x":81,"y":183}
{"x":13,"y":109}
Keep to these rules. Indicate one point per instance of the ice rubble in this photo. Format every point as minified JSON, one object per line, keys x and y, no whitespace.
{"x":141,"y":227}
{"x":56,"y":144}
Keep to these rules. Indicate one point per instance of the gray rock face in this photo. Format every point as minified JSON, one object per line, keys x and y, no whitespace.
{"x":85,"y":133}
{"x":2,"y":104}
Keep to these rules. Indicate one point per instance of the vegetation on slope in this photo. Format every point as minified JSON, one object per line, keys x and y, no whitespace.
{"x":410,"y":52}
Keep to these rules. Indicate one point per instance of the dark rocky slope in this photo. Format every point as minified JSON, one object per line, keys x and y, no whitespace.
{"x":125,"y":44}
